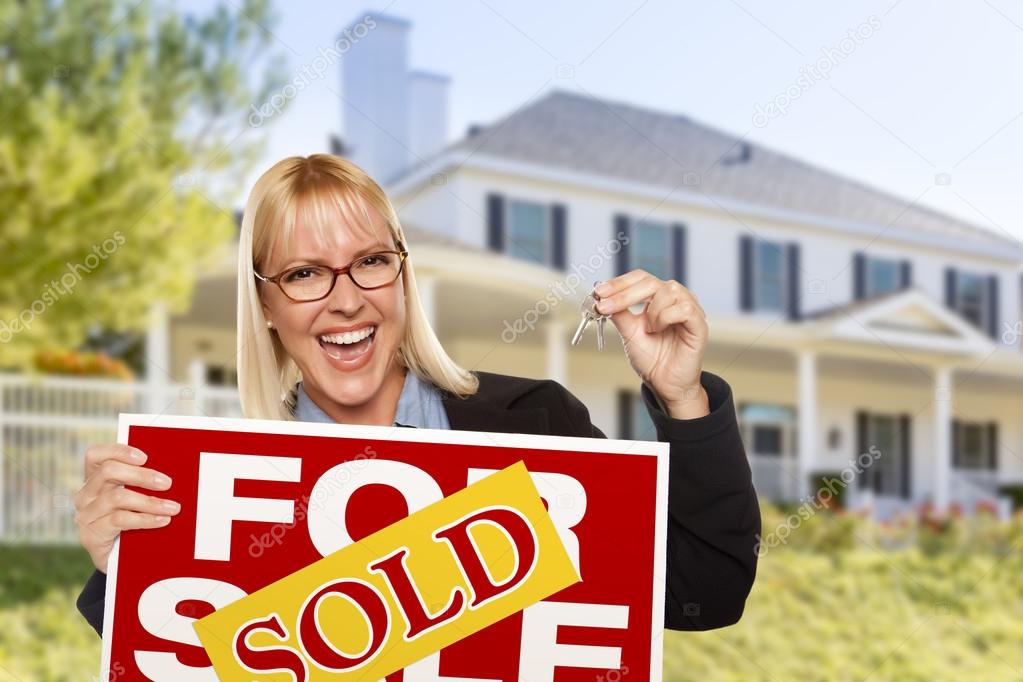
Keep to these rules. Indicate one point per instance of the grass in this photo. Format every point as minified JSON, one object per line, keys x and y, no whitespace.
{"x":841,"y":599}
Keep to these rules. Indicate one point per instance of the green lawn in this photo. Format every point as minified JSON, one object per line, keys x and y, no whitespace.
{"x":842,"y":599}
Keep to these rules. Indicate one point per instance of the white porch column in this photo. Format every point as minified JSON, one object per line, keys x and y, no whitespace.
{"x":806,"y":408}
{"x":557,"y":350}
{"x":197,"y":382}
{"x":157,"y":358}
{"x":427,"y":285}
{"x":942,"y":437}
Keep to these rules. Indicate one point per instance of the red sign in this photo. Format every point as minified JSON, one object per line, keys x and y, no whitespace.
{"x":262,"y":499}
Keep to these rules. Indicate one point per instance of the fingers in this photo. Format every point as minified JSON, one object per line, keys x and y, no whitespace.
{"x":95,"y":455}
{"x":639,"y":288}
{"x":616,"y":284}
{"x":112,"y":473}
{"x":673,"y":304}
{"x":111,"y":525}
{"x":122,"y":498}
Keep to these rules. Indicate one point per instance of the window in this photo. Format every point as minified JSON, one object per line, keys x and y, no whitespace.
{"x":888,"y":472}
{"x":652,"y":249}
{"x":971,"y":447}
{"x":218,"y":375}
{"x":769,"y":281}
{"x":768,"y":430}
{"x":528,"y":231}
{"x":634,"y":422}
{"x":971,"y":298}
{"x":882,"y":275}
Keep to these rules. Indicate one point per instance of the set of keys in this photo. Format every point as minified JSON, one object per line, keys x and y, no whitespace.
{"x":590,"y":314}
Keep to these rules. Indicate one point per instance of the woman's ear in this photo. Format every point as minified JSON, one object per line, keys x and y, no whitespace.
{"x":267,"y":313}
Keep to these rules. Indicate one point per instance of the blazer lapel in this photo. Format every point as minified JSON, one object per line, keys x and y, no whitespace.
{"x":473,"y":415}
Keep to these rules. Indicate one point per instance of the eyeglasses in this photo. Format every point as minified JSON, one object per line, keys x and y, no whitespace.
{"x":304,"y":283}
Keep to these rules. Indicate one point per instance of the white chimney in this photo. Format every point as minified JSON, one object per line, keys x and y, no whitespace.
{"x":428,"y":123}
{"x":392,"y":118}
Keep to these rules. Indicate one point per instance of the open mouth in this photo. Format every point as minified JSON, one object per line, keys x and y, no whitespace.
{"x":350,"y":346}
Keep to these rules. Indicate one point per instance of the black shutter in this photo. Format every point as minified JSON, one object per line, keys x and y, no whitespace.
{"x":950,"y":288}
{"x":678,"y":252}
{"x":904,"y":432}
{"x":746,"y":273}
{"x":559,"y":257}
{"x":905,"y":274}
{"x":625,"y":414}
{"x":859,"y":277}
{"x":495,"y":222}
{"x":861,"y":448}
{"x":992,"y":306}
{"x":957,"y":448}
{"x":992,"y":446}
{"x":621,"y":235}
{"x":793,"y":282}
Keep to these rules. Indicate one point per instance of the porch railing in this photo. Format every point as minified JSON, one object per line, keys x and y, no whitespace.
{"x":46,"y":424}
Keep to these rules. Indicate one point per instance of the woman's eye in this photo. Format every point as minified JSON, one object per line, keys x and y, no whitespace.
{"x":372,"y":261}
{"x":304,"y":273}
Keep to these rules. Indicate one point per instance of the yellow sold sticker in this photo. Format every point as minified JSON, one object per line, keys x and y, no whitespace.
{"x":400,"y":594}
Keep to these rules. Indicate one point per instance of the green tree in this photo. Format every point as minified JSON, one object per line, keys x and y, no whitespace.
{"x":123,"y":141}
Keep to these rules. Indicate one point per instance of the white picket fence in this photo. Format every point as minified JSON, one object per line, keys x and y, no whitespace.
{"x":46,"y":424}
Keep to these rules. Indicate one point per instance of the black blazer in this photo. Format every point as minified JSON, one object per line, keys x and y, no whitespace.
{"x":713,"y":515}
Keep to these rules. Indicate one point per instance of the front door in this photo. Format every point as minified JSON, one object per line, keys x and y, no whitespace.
{"x":886,"y":439}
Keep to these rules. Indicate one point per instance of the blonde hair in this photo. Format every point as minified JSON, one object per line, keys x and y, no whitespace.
{"x":317,"y":185}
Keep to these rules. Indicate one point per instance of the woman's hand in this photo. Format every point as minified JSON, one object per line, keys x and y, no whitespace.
{"x":104,"y":507}
{"x":664,"y":343}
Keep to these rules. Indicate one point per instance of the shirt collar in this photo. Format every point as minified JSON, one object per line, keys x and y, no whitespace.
{"x":414,"y":403}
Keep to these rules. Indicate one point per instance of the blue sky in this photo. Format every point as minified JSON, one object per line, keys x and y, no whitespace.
{"x":933,"y":89}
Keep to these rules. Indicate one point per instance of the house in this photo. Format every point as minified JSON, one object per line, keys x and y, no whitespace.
{"x":866,"y":337}
{"x":873,"y":345}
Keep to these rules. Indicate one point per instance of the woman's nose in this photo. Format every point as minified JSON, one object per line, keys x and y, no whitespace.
{"x":346,"y":297}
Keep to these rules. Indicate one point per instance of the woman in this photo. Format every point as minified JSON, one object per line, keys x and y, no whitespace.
{"x":352,"y":345}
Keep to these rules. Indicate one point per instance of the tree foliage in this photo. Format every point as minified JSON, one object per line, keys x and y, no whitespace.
{"x":123,"y":141}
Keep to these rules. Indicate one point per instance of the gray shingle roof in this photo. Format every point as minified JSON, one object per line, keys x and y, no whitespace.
{"x":571,"y":131}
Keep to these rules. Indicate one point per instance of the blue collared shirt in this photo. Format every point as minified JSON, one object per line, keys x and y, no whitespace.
{"x":419,"y":405}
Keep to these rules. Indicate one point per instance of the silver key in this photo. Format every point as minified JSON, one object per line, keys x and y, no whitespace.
{"x":589,"y":315}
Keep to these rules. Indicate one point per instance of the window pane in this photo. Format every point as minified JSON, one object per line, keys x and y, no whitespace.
{"x":769,"y":272}
{"x":974,"y":446}
{"x":527,"y":231}
{"x":972,"y":297}
{"x":882,"y":276}
{"x":766,"y":439}
{"x":652,"y":249}
{"x":768,"y":428}
{"x":887,"y":469}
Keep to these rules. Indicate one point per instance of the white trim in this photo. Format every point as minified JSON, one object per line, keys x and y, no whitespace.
{"x":451,"y":162}
{"x":965,"y":338}
{"x":942,"y":415}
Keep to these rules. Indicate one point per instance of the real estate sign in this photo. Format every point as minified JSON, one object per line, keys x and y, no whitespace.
{"x":329,"y":551}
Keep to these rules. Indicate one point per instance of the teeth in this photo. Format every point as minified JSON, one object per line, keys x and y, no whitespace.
{"x":348,"y":337}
